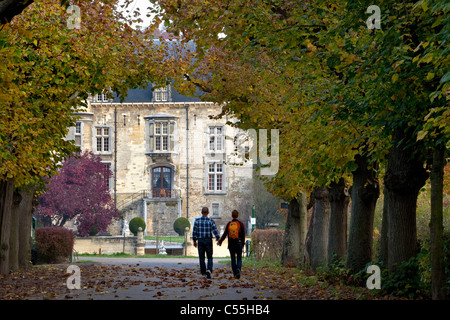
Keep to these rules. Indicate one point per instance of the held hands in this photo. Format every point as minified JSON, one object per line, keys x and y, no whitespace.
{"x":218,"y":243}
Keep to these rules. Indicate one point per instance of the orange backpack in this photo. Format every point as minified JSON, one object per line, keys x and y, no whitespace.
{"x":233,"y":229}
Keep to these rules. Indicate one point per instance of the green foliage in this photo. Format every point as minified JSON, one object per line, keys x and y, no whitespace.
{"x":166,"y":239}
{"x":255,"y":70}
{"x":424,"y":260}
{"x":360,"y":278}
{"x":406,"y":281}
{"x":412,"y":279}
{"x":335,"y":273}
{"x":47,"y":72}
{"x":409,"y":52}
{"x":266,"y":206}
{"x":180,"y":225}
{"x":135,"y":223}
{"x":334,"y":88}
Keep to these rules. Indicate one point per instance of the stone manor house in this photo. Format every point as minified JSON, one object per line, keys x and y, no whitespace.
{"x":168,"y":158}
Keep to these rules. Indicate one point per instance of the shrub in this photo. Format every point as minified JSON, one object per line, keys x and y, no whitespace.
{"x":180,"y":225}
{"x":135,"y":223}
{"x":53,"y":244}
{"x":424,"y":260}
{"x":336,"y":272}
{"x":267,"y":244}
{"x":405,"y":281}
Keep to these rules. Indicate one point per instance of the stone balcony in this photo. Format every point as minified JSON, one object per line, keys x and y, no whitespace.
{"x":163,"y":195}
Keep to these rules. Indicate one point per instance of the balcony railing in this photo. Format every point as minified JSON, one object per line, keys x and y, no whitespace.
{"x":164,"y":194}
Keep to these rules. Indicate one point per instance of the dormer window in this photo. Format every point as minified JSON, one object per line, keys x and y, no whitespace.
{"x":101,"y":97}
{"x":161,"y":94}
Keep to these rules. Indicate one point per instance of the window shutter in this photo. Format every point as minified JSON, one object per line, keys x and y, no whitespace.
{"x":151,"y":136}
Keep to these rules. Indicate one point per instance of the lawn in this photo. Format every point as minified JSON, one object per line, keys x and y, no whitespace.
{"x":166,"y":239}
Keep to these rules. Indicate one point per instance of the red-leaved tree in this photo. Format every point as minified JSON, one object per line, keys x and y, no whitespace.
{"x":79,"y":193}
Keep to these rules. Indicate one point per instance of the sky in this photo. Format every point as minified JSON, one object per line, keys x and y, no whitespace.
{"x":142,"y":5}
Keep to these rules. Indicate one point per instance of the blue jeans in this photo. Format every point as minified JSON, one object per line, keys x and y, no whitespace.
{"x":205,"y":245}
{"x":236,"y":255}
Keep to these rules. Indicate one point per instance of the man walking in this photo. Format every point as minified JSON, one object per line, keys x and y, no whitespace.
{"x":235,"y":231}
{"x":202,"y":232}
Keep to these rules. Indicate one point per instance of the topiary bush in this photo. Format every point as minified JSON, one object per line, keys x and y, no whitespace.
{"x":53,"y":244}
{"x":135,"y":223}
{"x":180,"y":225}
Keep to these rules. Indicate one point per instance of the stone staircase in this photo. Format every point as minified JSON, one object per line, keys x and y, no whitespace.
{"x":131,"y":200}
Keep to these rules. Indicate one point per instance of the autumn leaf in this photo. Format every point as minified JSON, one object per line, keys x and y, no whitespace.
{"x":395,"y":77}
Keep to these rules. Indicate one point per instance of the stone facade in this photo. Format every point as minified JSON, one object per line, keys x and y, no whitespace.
{"x":168,"y":158}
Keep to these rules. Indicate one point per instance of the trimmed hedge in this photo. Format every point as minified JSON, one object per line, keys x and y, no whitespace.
{"x":267,"y":244}
{"x":180,"y":225}
{"x":53,"y":244}
{"x":135,"y":223}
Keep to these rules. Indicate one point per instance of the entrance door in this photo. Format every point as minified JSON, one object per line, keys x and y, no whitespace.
{"x":162,"y":182}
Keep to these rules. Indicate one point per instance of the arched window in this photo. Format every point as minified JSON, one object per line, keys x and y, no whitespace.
{"x":162,"y":182}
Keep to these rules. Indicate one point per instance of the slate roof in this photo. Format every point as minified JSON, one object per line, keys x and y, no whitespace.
{"x":146,"y":95}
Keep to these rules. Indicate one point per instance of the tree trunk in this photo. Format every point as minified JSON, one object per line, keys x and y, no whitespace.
{"x":25,"y":220}
{"x":337,"y":237}
{"x":308,"y":240}
{"x":14,"y":233}
{"x":6,"y":202}
{"x":295,"y":234}
{"x":364,"y":193}
{"x":436,"y":224}
{"x":404,"y":177}
{"x":383,"y":255}
{"x":320,"y":228}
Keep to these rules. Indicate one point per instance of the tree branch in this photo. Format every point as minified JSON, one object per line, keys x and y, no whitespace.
{"x":11,"y":8}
